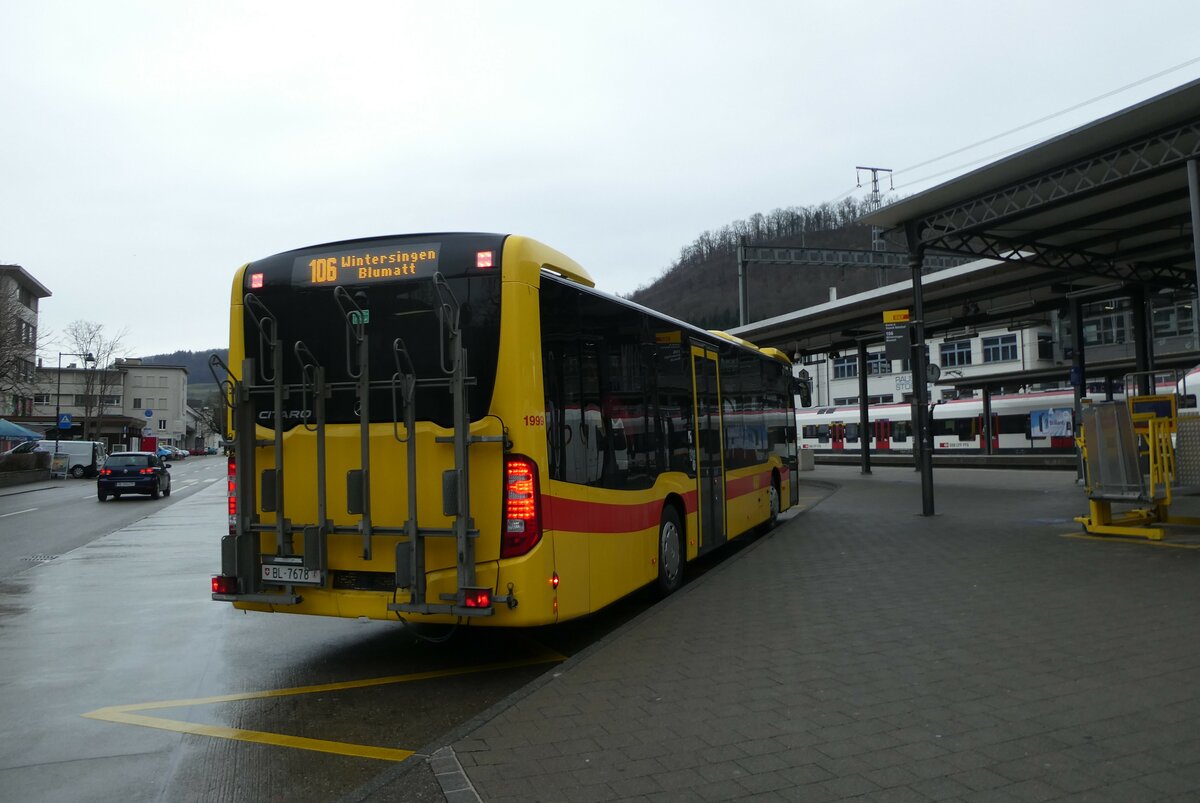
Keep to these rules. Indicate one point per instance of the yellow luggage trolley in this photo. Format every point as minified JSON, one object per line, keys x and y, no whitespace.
{"x":1138,"y":452}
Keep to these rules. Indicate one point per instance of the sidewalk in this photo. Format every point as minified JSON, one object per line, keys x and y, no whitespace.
{"x":864,"y":651}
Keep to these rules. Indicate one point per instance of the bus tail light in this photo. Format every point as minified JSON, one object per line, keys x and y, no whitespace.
{"x":223,"y":584}
{"x":232,"y":484}
{"x":522,"y":507}
{"x":477,"y":597}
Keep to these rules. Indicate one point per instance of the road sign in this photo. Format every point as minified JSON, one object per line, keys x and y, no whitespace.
{"x":64,"y":420}
{"x":147,"y":432}
{"x":895,"y":334}
{"x":149,"y":414}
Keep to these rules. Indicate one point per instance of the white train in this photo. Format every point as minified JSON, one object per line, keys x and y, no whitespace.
{"x":1021,"y":424}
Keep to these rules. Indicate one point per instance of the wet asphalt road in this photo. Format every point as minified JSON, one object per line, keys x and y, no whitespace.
{"x":121,"y":679}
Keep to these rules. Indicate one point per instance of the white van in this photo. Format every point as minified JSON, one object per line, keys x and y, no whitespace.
{"x":84,"y":458}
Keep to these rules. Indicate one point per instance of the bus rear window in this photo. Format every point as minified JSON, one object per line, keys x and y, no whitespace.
{"x":405,"y":309}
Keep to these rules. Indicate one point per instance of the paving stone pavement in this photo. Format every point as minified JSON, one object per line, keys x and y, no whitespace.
{"x":863,"y":651}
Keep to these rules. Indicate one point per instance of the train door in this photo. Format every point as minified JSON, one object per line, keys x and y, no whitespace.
{"x":710,"y":475}
{"x":883,"y":434}
{"x":837,"y":436}
{"x":979,"y":438}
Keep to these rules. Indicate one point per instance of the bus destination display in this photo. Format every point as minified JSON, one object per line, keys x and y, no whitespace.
{"x":364,"y":265}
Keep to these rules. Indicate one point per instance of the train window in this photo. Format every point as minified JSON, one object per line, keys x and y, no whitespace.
{"x":964,"y":428}
{"x":1013,"y":425}
{"x":822,"y":433}
{"x":852,"y":433}
{"x":900,"y":431}
{"x":941,"y":426}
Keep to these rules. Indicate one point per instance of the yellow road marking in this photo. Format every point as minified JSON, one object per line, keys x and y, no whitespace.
{"x":123,"y":714}
{"x":1119,"y":539}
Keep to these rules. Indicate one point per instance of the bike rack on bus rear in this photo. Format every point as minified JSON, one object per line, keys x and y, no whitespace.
{"x":241,"y":551}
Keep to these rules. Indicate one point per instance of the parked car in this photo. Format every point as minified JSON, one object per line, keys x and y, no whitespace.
{"x":133,"y":473}
{"x":84,"y":458}
{"x":165,"y":452}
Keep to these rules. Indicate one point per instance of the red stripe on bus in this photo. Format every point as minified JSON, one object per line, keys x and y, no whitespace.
{"x":601,"y":517}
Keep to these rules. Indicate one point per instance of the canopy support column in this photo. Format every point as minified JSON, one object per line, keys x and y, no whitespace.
{"x":916,"y":260}
{"x":1193,"y":173}
{"x":864,"y":422}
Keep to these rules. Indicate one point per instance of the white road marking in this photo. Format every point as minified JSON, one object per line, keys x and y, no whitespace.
{"x":18,"y":512}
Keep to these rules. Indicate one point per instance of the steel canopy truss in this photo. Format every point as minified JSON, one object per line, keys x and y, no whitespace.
{"x":839,"y":257}
{"x":1039,"y":219}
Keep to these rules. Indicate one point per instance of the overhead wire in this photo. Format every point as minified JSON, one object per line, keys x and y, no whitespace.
{"x":1015,"y":130}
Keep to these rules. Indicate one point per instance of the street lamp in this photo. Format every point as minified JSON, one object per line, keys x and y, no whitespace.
{"x":87,"y":357}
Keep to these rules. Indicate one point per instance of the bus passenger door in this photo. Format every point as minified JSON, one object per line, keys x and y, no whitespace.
{"x":710,"y":480}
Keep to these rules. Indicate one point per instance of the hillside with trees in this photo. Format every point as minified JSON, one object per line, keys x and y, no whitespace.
{"x":701,"y":286}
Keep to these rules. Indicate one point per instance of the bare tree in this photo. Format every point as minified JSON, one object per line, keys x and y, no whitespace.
{"x":87,"y":337}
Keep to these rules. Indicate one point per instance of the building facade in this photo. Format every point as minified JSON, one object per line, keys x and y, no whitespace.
{"x":118,"y":404}
{"x":1033,"y":344}
{"x":20,"y":294}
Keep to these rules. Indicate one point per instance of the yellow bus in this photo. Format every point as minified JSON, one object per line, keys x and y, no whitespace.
{"x":453,"y":428}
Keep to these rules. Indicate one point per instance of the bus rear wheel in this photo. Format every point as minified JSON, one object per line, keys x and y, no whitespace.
{"x":670,"y":552}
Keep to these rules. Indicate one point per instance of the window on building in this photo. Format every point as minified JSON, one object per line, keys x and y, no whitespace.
{"x":137,"y":401}
{"x":41,"y":399}
{"x":1105,"y":330}
{"x":878,"y":363}
{"x":1045,"y":346}
{"x":955,"y":353}
{"x":845,"y":367}
{"x":999,"y":348}
{"x":1173,"y":320}
{"x":906,"y":364}
{"x":842,"y":401}
{"x":162,"y":424}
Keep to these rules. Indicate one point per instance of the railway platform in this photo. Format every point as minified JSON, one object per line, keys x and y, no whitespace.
{"x":862,"y":651}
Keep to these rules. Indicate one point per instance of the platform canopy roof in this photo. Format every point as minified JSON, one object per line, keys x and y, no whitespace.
{"x":1100,"y":211}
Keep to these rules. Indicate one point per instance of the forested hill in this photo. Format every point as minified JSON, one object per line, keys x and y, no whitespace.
{"x":701,"y":286}
{"x":196,"y":362}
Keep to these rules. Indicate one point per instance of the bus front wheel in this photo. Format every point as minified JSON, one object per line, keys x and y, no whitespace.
{"x":670,"y":552}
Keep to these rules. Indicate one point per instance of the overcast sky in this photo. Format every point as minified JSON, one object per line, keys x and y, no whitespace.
{"x":148,"y":149}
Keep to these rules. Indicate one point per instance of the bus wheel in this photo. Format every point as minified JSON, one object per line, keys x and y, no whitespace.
{"x":774,"y":497}
{"x":670,"y":552}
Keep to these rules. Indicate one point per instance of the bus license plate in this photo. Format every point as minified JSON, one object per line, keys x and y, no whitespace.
{"x":296,"y":575}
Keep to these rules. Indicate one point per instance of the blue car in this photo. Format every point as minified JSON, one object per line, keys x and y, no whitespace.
{"x":165,"y":452}
{"x":133,"y":473}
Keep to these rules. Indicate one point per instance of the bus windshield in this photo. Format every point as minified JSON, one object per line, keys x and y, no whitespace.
{"x":404,"y":307}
